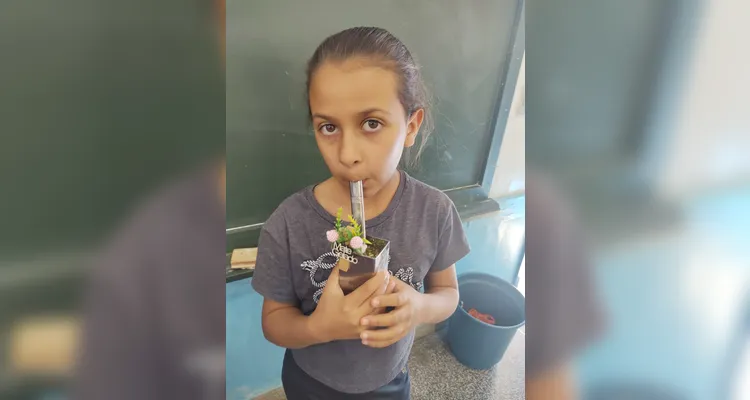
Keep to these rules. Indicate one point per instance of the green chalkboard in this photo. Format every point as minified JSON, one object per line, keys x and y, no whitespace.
{"x":465,"y":52}
{"x":101,"y":101}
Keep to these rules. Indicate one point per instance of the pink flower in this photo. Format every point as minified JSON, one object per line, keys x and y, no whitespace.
{"x":356,"y":242}
{"x":332,"y":236}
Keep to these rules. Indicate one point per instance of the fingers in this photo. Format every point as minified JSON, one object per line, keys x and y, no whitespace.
{"x":354,"y":335}
{"x":396,"y":322}
{"x":395,"y":299}
{"x":388,"y":290}
{"x":391,"y":286}
{"x":363,"y":293}
{"x":334,"y":275}
{"x":366,"y":307}
{"x":401,"y":284}
{"x":384,"y":337}
{"x":332,"y":284}
{"x":385,"y":320}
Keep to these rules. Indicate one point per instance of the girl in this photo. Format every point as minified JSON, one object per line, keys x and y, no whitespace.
{"x":367,"y":103}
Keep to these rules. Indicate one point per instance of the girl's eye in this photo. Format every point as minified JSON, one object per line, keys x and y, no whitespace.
{"x":372,"y":125}
{"x":328,"y":129}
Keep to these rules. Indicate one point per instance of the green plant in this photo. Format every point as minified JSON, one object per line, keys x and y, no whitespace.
{"x":344,"y":234}
{"x":357,"y":229}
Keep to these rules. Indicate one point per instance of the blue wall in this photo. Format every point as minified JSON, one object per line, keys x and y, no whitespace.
{"x":254,"y":365}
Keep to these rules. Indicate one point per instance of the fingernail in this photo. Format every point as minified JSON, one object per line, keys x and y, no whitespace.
{"x":364,"y":337}
{"x":375,"y":302}
{"x":364,"y":342}
{"x":365,"y":321}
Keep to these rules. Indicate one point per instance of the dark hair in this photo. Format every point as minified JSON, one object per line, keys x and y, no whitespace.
{"x":382,"y":47}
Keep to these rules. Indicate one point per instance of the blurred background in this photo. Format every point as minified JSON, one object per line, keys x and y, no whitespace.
{"x":638,"y":110}
{"x":635,"y":110}
{"x":101,"y":103}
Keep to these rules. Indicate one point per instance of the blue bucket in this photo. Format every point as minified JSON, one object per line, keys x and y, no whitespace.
{"x":477,"y":344}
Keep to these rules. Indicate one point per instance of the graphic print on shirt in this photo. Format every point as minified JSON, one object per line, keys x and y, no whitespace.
{"x":320,"y":270}
{"x":407,"y":276}
{"x":324,"y":264}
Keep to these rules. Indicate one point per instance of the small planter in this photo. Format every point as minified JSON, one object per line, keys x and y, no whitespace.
{"x":360,"y":256}
{"x":355,"y":269}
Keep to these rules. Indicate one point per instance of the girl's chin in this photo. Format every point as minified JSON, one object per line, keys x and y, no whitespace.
{"x":369,"y":188}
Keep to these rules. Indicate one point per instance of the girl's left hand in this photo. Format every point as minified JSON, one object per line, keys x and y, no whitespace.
{"x":397,"y":323}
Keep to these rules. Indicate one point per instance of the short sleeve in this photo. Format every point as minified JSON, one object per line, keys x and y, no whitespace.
{"x":272,"y":278}
{"x":452,"y":243}
{"x":562,"y":310}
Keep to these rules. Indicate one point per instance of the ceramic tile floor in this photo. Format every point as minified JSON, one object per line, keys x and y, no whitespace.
{"x":437,"y":375}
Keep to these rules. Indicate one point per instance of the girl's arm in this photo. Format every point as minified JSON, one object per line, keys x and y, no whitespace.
{"x":412,"y":308}
{"x":441,"y":296}
{"x":285,"y":326}
{"x":335,"y":318}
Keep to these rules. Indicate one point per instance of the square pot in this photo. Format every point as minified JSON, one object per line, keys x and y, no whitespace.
{"x":356,"y":269}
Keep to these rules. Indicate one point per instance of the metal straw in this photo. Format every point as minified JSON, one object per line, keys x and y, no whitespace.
{"x":358,"y":204}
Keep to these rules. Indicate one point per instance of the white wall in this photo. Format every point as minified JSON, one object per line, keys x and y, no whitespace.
{"x":510,"y":172}
{"x":710,"y":145}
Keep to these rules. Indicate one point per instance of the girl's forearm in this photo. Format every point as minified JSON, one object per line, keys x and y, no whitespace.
{"x":438,"y":304}
{"x":289,"y":328}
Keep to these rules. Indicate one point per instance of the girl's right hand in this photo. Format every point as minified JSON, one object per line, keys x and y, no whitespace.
{"x":338,"y":316}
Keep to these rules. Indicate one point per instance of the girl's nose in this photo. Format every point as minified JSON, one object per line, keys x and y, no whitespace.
{"x":349,"y":153}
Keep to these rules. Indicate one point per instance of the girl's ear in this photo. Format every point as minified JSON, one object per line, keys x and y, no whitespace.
{"x":412,"y":127}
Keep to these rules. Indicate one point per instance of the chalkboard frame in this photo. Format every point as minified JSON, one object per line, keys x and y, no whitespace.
{"x":471,"y":201}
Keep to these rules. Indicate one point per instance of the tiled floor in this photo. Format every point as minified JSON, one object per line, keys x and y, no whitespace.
{"x":437,"y":375}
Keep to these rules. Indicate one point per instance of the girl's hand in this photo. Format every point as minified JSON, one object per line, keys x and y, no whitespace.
{"x":337,"y":317}
{"x":397,"y":323}
{"x":390,"y":289}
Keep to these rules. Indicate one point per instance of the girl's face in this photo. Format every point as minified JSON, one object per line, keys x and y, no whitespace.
{"x":360,"y":125}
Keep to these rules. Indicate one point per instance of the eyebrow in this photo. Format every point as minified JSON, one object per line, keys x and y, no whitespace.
{"x":374,"y":110}
{"x":361,"y":113}
{"x":325,"y":117}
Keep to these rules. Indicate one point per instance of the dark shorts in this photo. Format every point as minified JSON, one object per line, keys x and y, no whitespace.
{"x":300,"y":386}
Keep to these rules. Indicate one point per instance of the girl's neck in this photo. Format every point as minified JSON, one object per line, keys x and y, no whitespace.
{"x":333,"y":194}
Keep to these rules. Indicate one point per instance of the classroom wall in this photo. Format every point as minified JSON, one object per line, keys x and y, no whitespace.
{"x":254,"y":365}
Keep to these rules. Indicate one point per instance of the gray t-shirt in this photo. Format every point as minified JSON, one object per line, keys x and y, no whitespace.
{"x":295,"y":260}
